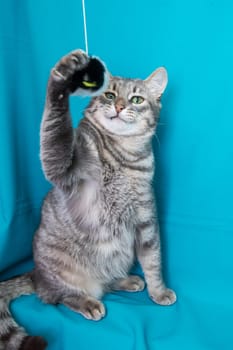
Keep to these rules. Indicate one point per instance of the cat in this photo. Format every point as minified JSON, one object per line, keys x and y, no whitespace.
{"x":100,"y":214}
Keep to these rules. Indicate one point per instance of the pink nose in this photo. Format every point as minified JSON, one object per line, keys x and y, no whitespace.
{"x":120,"y":104}
{"x":119,"y":107}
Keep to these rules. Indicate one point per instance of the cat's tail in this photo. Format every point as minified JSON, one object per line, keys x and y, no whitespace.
{"x":12,"y":336}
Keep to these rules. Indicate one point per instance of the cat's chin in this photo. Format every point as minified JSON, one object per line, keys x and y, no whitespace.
{"x":121,"y":128}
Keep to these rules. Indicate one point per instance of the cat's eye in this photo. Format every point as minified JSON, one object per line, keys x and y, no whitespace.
{"x":137,"y":100}
{"x":110,"y":95}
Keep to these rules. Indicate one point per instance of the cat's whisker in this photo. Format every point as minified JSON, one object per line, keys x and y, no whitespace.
{"x":157,"y":139}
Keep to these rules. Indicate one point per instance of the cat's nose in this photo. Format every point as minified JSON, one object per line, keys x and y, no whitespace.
{"x":119,"y":105}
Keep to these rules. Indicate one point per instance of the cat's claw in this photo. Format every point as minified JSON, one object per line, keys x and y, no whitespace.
{"x":56,"y":72}
{"x":74,"y":58}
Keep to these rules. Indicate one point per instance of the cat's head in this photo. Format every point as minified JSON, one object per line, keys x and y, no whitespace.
{"x":129,"y":106}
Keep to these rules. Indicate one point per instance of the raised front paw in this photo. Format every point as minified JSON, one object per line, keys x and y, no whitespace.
{"x":70,"y":68}
{"x":164,"y":297}
{"x":79,"y":73}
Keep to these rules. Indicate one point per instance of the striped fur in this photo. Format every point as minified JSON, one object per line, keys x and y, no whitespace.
{"x":101,"y":213}
{"x":13,"y":337}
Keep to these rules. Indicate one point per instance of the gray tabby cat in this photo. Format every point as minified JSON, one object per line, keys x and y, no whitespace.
{"x":101,"y":212}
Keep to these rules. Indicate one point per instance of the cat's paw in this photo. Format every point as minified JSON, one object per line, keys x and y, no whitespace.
{"x":92,"y":309}
{"x":68,"y":65}
{"x":135,"y":284}
{"x":165,"y":297}
{"x":132,"y":283}
{"x":78,"y":73}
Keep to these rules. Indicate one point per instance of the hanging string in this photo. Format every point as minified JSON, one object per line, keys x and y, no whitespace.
{"x":85,"y":25}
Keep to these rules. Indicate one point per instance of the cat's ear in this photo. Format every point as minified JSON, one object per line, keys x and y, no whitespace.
{"x":157,"y":82}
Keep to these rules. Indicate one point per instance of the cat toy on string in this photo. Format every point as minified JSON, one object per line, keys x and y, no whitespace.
{"x":93,"y":77}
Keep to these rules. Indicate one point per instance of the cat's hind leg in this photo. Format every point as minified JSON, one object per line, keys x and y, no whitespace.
{"x":74,"y":290}
{"x":89,"y":307}
{"x":131,"y":283}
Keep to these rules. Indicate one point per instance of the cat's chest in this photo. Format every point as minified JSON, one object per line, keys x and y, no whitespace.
{"x":117,"y":189}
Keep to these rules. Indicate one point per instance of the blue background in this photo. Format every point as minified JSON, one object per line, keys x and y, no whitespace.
{"x":194,"y":41}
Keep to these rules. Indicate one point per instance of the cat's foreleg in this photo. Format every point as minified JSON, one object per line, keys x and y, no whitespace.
{"x":149,"y":256}
{"x":58,"y":142}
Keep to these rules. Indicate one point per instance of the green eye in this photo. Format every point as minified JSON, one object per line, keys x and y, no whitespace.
{"x":137,"y":100}
{"x":110,"y":96}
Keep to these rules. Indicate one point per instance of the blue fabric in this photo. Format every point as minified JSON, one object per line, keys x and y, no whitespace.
{"x":193,"y":40}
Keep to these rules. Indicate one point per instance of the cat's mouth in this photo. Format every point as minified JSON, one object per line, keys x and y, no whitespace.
{"x":117,"y":116}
